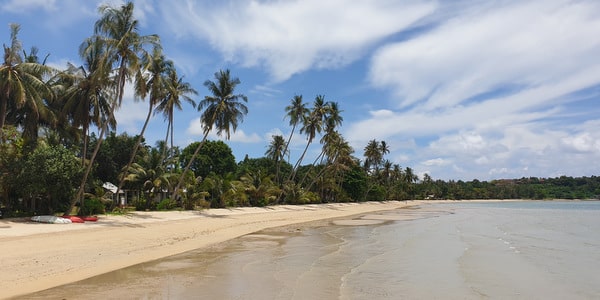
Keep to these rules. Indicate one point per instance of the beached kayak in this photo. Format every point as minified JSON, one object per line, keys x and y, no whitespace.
{"x":89,"y":218}
{"x":74,"y":219}
{"x":50,"y":219}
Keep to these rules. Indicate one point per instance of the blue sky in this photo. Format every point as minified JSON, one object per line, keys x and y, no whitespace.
{"x":458,"y":89}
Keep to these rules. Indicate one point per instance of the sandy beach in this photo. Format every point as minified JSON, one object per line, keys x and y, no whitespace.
{"x":39,"y":256}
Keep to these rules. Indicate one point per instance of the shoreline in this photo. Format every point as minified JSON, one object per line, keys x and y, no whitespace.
{"x":38,"y":256}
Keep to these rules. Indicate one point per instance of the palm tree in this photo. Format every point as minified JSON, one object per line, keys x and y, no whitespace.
{"x":331,"y":116}
{"x":296,"y":112}
{"x":312,"y":124}
{"x":153,"y":83}
{"x":222,"y":110}
{"x":149,"y":175}
{"x":410,"y":178}
{"x":37,"y":110}
{"x":276,"y":152}
{"x":177,"y":90}
{"x":372,"y":155}
{"x":117,"y":29}
{"x":86,"y":96}
{"x":21,"y":82}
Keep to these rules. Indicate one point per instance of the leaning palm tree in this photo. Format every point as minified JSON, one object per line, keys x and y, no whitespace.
{"x":295,"y":111}
{"x":176,"y":90}
{"x":117,"y":29}
{"x":150,"y":81}
{"x":21,"y":82}
{"x":312,"y":124}
{"x":223,"y":110}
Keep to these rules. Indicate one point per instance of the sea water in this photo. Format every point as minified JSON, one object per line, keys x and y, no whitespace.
{"x":460,"y":250}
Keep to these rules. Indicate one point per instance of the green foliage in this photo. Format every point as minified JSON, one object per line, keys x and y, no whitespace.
{"x":214,"y":157}
{"x":92,"y":206}
{"x":49,"y":174}
{"x":166,"y":204}
{"x":377,"y":193}
{"x":11,"y":151}
{"x":355,"y":183}
{"x":113,"y":155}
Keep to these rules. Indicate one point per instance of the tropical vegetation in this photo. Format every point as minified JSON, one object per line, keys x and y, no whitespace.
{"x":60,"y":151}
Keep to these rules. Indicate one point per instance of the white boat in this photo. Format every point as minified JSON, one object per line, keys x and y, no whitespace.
{"x":50,"y":219}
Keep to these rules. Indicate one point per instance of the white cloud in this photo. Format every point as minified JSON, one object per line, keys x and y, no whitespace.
{"x":289,"y":37}
{"x":132,"y":114}
{"x":22,"y":6}
{"x":520,"y":45}
{"x":195,"y":128}
{"x":436,"y":162}
{"x":583,"y":142}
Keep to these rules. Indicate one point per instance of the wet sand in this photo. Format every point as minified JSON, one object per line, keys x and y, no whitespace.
{"x":37,"y":256}
{"x":446,"y":251}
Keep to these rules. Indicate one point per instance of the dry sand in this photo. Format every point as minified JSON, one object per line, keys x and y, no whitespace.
{"x":36,"y":256}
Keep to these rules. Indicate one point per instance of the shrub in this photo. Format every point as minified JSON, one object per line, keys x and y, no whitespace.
{"x":92,"y":206}
{"x":166,"y":204}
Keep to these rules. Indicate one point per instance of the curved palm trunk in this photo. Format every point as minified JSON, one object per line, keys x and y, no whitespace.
{"x":111,"y":115}
{"x":172,"y":126}
{"x":3,"y":108}
{"x":312,"y":166}
{"x":297,"y":165}
{"x":163,"y":156}
{"x":187,"y":167}
{"x":135,"y":148}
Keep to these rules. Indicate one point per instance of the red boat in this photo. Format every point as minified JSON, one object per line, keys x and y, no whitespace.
{"x":74,"y":219}
{"x":89,"y":218}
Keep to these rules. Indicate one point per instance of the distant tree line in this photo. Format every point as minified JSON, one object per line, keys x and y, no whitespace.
{"x":563,"y":187}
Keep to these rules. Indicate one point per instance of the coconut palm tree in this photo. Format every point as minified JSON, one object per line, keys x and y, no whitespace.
{"x":177,"y":90}
{"x":86,"y":92}
{"x":312,"y":124}
{"x":118,"y":31}
{"x":276,"y":152}
{"x":296,"y":112}
{"x":36,"y":111}
{"x":150,"y":81}
{"x":224,"y":110}
{"x":21,"y":82}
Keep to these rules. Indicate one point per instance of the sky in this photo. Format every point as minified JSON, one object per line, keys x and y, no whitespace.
{"x":460,"y":90}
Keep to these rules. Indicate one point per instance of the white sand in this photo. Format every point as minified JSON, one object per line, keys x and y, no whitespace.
{"x":37,"y":256}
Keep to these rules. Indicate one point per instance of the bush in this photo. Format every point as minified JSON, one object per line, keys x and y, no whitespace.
{"x":92,"y":206}
{"x":166,"y":204}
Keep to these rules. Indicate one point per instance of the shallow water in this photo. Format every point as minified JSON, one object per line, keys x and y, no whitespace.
{"x":508,"y":250}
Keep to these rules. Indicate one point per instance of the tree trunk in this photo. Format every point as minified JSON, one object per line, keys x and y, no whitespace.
{"x":135,"y":149}
{"x":121,"y":88}
{"x":187,"y":167}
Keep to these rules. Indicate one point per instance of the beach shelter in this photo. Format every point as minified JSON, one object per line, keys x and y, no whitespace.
{"x":111,"y":188}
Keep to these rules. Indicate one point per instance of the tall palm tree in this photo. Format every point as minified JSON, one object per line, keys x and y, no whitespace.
{"x":117,"y":28}
{"x":296,"y":112}
{"x":86,"y":94}
{"x":150,"y":81}
{"x":38,"y":109}
{"x":312,"y":124}
{"x":223,"y":110}
{"x":21,"y":82}
{"x":177,"y":90}
{"x":331,"y":117}
{"x":276,"y":152}
{"x":373,"y":156}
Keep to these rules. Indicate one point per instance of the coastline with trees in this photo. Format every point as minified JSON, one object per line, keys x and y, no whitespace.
{"x":51,"y":161}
